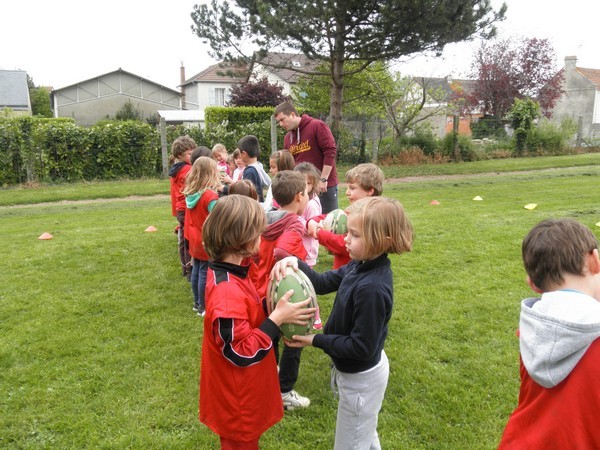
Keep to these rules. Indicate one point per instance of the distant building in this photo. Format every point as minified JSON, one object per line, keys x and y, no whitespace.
{"x":580,"y":100}
{"x":14,"y":92}
{"x":101,"y":97}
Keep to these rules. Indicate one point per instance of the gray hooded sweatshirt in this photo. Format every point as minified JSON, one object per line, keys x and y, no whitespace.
{"x":555,"y":332}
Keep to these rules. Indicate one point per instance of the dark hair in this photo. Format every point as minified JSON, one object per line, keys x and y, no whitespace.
{"x":198,"y":152}
{"x":250,"y":145}
{"x":555,"y":247}
{"x":283,"y":160}
{"x":285,"y":108}
{"x":286,"y":184}
{"x":243,"y":187}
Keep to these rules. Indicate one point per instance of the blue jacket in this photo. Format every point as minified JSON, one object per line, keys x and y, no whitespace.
{"x":357,"y":327}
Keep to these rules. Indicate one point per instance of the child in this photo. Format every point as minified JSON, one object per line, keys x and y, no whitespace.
{"x":355,"y":332}
{"x":281,"y":238}
{"x":219,"y":154}
{"x":200,"y":196}
{"x":239,"y":169}
{"x":364,"y":180}
{"x":558,"y":340}
{"x":279,"y":160}
{"x":313,"y":208}
{"x":239,"y":398}
{"x":243,"y":187}
{"x":181,"y":151}
{"x":249,"y":152}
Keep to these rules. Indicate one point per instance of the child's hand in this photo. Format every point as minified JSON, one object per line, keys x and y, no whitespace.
{"x":312,"y":228}
{"x":286,"y":312}
{"x":278,"y":271}
{"x":225,"y":179}
{"x":300,"y":341}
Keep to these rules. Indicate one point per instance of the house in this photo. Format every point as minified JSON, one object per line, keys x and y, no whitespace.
{"x":14,"y":92}
{"x":580,"y":100}
{"x":101,"y":97}
{"x":212,"y":86}
{"x":448,"y":90}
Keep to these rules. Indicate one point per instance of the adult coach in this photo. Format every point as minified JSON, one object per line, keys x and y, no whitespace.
{"x":310,"y":140}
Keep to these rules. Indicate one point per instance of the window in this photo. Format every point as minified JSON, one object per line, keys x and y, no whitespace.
{"x":219,"y":96}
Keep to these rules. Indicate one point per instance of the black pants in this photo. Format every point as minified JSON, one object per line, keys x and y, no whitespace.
{"x":289,"y":366}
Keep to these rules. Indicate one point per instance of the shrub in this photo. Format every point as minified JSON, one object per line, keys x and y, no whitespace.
{"x":488,"y":127}
{"x":551,"y":139}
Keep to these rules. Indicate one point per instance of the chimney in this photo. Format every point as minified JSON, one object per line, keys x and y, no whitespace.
{"x":181,"y":87}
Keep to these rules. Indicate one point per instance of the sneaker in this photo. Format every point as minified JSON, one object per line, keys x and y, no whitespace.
{"x":201,"y":313}
{"x":291,"y":400}
{"x":195,"y":308}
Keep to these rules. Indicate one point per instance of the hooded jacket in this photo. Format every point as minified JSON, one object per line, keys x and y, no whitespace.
{"x":560,"y":368}
{"x":313,"y":142}
{"x":177,"y":174}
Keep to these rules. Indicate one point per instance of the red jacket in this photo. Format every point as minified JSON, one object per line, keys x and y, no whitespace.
{"x":313,"y":142}
{"x":281,"y":238}
{"x":239,"y":386}
{"x":562,"y":417}
{"x":194,"y":222}
{"x":335,"y":243}
{"x":177,"y":175}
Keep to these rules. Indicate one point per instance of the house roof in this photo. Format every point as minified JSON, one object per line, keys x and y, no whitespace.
{"x":119,"y":70}
{"x":14,"y":90}
{"x":591,"y":74}
{"x":287,"y":65}
{"x":221,"y":72}
{"x":448,"y":85}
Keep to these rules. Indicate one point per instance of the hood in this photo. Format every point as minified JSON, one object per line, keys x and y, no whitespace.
{"x":304,"y":121}
{"x":555,"y":331}
{"x":176,"y":168}
{"x":279,"y":221}
{"x":192,"y":200}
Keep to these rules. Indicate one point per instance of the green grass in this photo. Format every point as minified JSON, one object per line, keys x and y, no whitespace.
{"x":99,"y":347}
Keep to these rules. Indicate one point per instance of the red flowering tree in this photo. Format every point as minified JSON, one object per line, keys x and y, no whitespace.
{"x":257,"y":93}
{"x":506,"y":69}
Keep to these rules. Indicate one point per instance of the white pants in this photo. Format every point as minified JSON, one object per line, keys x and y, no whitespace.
{"x":361,"y":395}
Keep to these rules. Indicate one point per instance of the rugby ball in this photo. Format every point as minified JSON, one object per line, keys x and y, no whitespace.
{"x":336,"y":222}
{"x":303,"y":289}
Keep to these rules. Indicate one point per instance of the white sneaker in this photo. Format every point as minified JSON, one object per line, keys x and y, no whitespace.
{"x":292,"y":400}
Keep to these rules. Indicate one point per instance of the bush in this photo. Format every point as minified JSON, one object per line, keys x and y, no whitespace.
{"x":551,"y":139}
{"x":488,"y":127}
{"x":467,"y":150}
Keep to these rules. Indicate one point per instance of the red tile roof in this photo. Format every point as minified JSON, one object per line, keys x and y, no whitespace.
{"x":591,"y":74}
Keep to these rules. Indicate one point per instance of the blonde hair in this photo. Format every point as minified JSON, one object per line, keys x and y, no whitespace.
{"x":309,"y":170}
{"x":233,"y":227}
{"x":383,"y":225}
{"x":202,"y":175}
{"x":218,"y":148}
{"x":368,"y":176}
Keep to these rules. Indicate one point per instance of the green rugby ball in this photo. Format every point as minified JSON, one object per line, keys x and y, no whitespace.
{"x":303,"y":289}
{"x":336,"y":222}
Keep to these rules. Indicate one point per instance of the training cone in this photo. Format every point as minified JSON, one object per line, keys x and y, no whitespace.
{"x":45,"y":237}
{"x":434,"y":202}
{"x":477,"y":199}
{"x":531,"y":206}
{"x":598,"y":224}
{"x":151,"y":229}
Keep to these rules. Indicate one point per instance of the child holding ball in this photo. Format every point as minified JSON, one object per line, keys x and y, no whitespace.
{"x":355,"y":332}
{"x":239,"y":389}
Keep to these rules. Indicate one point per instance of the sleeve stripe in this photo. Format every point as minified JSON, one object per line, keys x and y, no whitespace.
{"x":227,"y":334}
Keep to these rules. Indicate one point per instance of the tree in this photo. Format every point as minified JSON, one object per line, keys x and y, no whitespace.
{"x":360,"y":98}
{"x":506,"y":69}
{"x":337,"y":32}
{"x":40,"y":99}
{"x":128,"y":112}
{"x":257,"y":93}
{"x":523,"y":115}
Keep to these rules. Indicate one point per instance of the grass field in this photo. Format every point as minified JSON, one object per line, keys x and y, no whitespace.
{"x":99,"y":347}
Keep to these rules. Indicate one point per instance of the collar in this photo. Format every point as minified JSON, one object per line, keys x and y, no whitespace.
{"x":238,"y":271}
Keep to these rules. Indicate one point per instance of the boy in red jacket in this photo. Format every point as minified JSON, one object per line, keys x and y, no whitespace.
{"x":283,"y":237}
{"x":181,"y":150}
{"x":364,"y":180}
{"x":558,"y":341}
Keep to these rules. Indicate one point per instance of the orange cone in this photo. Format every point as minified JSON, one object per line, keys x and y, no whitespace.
{"x":434,"y":202}
{"x":45,"y":237}
{"x":151,"y":229}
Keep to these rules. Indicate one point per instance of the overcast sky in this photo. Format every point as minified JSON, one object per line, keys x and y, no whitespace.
{"x":62,"y":42}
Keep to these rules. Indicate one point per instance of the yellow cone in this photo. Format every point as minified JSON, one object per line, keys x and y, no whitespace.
{"x":477,"y":199}
{"x":530,"y":206}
